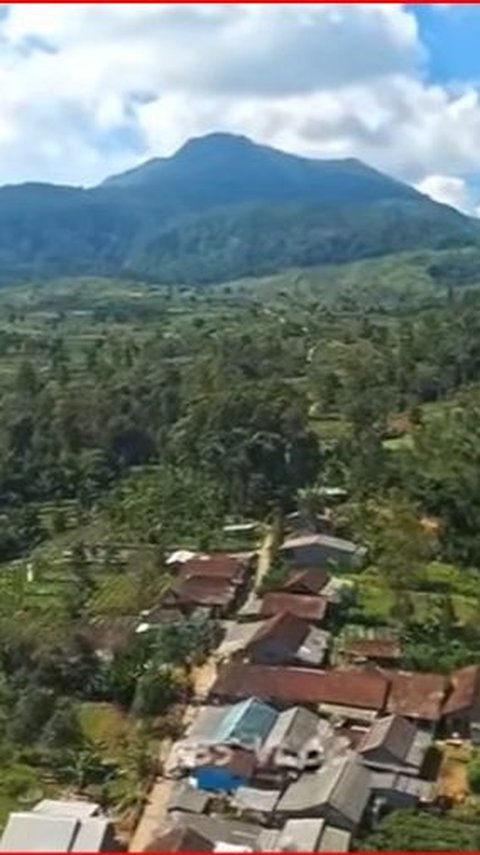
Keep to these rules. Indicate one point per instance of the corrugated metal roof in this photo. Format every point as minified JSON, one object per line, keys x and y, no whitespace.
{"x":30,"y":832}
{"x":255,"y":799}
{"x":74,"y":808}
{"x":334,"y":840}
{"x":301,"y":835}
{"x":306,"y":606}
{"x":392,"y":733}
{"x":91,"y":835}
{"x":465,"y":691}
{"x":342,"y":783}
{"x":187,"y":798}
{"x":293,"y":729}
{"x":245,"y":722}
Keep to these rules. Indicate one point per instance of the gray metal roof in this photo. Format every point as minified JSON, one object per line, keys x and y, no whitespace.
{"x":187,"y":798}
{"x":75,"y":808}
{"x":91,"y":835}
{"x":301,"y":835}
{"x":255,"y":799}
{"x":228,"y":831}
{"x":342,"y":783}
{"x":393,"y":734}
{"x":30,"y":832}
{"x":237,"y":637}
{"x":293,"y":729}
{"x":334,"y":840}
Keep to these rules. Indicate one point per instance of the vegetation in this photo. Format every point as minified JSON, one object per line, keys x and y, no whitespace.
{"x":409,"y":831}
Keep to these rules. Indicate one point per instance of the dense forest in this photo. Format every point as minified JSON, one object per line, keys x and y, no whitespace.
{"x":139,"y":418}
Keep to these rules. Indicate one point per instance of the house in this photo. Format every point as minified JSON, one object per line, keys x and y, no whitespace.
{"x":354,"y":692}
{"x":384,"y":652}
{"x":285,"y":639}
{"x":338,"y":792}
{"x":187,"y":799}
{"x":255,"y":804}
{"x":242,"y":725}
{"x":397,"y":791}
{"x":308,"y":522}
{"x":312,"y":835}
{"x":321,"y":550}
{"x":300,"y":740}
{"x":308,"y":607}
{"x":417,"y":696}
{"x":216,"y":594}
{"x":59,"y":826}
{"x":218,"y":565}
{"x":461,"y":710}
{"x":226,"y":834}
{"x":394,"y":744}
{"x":309,"y":581}
{"x":180,"y":838}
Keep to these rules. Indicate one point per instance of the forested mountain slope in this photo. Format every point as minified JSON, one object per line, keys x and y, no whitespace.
{"x":221,"y":207}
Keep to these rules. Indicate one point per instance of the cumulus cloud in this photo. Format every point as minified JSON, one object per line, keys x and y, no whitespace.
{"x":449,"y":190}
{"x":86,"y":90}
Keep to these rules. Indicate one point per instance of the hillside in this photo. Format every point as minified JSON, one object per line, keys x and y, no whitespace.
{"x":220,"y":208}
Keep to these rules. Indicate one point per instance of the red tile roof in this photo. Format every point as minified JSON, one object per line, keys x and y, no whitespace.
{"x":285,"y":627}
{"x":363,"y":689}
{"x":303,"y":606}
{"x":416,"y":695}
{"x":219,"y":565}
{"x":204,"y":591}
{"x":465,"y":689}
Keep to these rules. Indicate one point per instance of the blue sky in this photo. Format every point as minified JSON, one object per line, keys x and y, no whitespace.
{"x":89,"y":90}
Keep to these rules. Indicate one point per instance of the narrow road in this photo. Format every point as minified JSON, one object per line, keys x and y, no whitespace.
{"x":155,"y":816}
{"x":265,"y":555}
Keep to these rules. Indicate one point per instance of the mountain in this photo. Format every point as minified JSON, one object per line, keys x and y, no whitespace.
{"x":220,"y":207}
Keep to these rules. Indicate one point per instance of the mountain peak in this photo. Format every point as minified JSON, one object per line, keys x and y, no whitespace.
{"x":215,"y":142}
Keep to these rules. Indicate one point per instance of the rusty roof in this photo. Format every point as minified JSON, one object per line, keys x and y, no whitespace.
{"x":303,"y":606}
{"x":288,"y":628}
{"x":416,"y":695}
{"x":204,"y":591}
{"x":305,"y":581}
{"x":367,"y":690}
{"x":465,"y":689}
{"x":218,"y":565}
{"x":373,"y":648}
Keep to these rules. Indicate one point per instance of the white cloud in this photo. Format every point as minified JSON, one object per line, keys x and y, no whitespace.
{"x":449,"y":190}
{"x":86,"y":90}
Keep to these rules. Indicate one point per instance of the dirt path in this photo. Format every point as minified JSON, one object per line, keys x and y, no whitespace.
{"x":265,"y":555}
{"x":154,"y":816}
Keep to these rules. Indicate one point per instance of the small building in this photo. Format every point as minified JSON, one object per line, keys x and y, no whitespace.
{"x":287,"y":639}
{"x":338,"y":792}
{"x":308,"y":580}
{"x":59,"y":826}
{"x":312,"y":835}
{"x":321,"y":550}
{"x":394,"y":744}
{"x":215,"y":594}
{"x":308,"y":607}
{"x":300,"y":741}
{"x":255,"y":804}
{"x":226,"y":834}
{"x":397,"y":791}
{"x":179,"y":838}
{"x":219,"y":565}
{"x":461,"y":710}
{"x":243,"y":725}
{"x":188,"y":799}
{"x":417,"y":696}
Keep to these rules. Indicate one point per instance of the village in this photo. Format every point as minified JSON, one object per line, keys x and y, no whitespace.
{"x":295,"y":736}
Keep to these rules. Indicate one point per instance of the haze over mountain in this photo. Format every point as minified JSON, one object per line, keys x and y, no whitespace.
{"x":220,"y":207}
